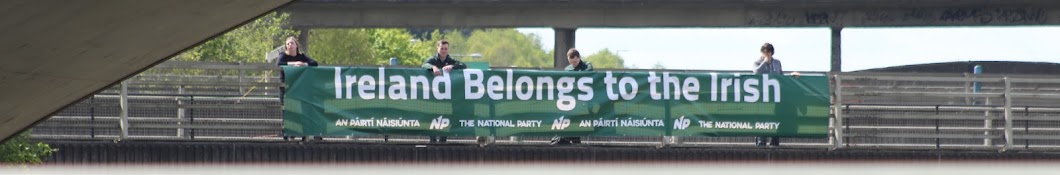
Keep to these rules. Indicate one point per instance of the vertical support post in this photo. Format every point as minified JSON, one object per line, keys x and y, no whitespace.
{"x":92,"y":116}
{"x":1008,"y":114}
{"x":180,"y":111}
{"x":838,"y":111}
{"x":564,"y":41}
{"x":242,"y":88}
{"x":987,"y":124}
{"x":976,"y":87}
{"x":836,"y":68}
{"x":837,"y":51}
{"x":123,"y":100}
{"x":968,"y":89}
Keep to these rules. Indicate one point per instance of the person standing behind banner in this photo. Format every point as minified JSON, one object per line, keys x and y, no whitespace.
{"x":441,"y":61}
{"x":766,"y":64}
{"x":576,"y":64}
{"x":292,"y":57}
{"x":437,"y":64}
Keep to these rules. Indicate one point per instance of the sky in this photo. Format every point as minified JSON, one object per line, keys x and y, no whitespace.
{"x":809,"y":49}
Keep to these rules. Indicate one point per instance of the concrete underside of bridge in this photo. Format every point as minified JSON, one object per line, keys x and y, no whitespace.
{"x":671,"y":13}
{"x":567,"y":16}
{"x":58,"y":52}
{"x":74,"y":152}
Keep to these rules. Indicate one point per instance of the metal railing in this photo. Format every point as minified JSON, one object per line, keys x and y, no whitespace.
{"x":943,"y":111}
{"x":240,"y":102}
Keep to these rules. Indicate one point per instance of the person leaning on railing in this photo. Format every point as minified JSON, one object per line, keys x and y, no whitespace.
{"x":438,"y":63}
{"x":576,"y":64}
{"x":292,"y":57}
{"x":766,"y":64}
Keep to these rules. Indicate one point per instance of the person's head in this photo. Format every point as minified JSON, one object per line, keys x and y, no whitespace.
{"x":443,"y":48}
{"x":767,"y":50}
{"x":574,"y":57}
{"x":291,"y":45}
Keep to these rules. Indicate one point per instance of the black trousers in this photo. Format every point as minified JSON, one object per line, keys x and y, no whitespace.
{"x":437,"y":139}
{"x":762,"y":141}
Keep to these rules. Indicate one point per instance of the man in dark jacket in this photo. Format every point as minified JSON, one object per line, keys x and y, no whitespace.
{"x":438,"y":63}
{"x":576,"y":64}
{"x":441,"y":61}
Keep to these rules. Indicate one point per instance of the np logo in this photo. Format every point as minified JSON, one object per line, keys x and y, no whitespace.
{"x":439,"y":123}
{"x":560,"y":123}
{"x":682,"y":123}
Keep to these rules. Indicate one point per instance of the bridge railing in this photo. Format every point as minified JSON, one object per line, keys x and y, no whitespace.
{"x":240,"y":102}
{"x":178,"y":101}
{"x":945,"y":111}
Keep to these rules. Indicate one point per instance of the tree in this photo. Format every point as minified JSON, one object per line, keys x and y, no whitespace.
{"x":606,"y":59}
{"x":247,"y":43}
{"x":341,"y":46}
{"x":658,"y":65}
{"x":367,"y":46}
{"x":400,"y":44}
{"x":502,"y":48}
{"x":20,"y":150}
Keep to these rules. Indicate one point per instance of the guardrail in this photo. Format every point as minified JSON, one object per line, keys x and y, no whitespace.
{"x":944,"y":111}
{"x":240,"y":102}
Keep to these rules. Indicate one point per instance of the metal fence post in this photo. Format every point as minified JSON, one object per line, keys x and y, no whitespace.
{"x":988,"y":123}
{"x":242,"y":88}
{"x":838,"y":110}
{"x":123,"y":101}
{"x":92,"y":116}
{"x":180,"y":111}
{"x":967,"y":89}
{"x":1008,"y":114}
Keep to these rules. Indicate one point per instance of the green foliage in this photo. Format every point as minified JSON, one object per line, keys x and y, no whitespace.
{"x":370,"y":46}
{"x":658,"y":65}
{"x":504,"y":47}
{"x":399,"y":43}
{"x":606,"y":59}
{"x":247,"y":43}
{"x":19,"y":150}
{"x":341,"y":46}
{"x":367,"y":47}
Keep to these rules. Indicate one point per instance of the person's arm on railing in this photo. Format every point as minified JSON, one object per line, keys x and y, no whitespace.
{"x":458,"y":65}
{"x":310,"y":61}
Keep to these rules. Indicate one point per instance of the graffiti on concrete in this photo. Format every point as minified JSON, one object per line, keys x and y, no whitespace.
{"x":879,"y":17}
{"x":821,"y":17}
{"x":773,"y":18}
{"x":789,"y":18}
{"x":994,"y":15}
{"x":903,"y":16}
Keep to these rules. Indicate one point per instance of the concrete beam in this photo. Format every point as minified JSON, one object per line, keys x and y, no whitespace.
{"x":671,"y":13}
{"x":59,"y":52}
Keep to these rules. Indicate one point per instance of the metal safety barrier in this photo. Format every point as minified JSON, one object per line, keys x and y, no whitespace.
{"x":240,"y":102}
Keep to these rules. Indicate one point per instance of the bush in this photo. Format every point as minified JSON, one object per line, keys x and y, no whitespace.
{"x":20,"y":150}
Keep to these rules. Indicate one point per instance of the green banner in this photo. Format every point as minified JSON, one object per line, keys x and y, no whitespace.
{"x":335,"y":101}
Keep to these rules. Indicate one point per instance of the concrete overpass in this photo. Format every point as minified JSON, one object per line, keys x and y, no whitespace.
{"x":62,"y":51}
{"x":566,"y":16}
{"x":58,"y":52}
